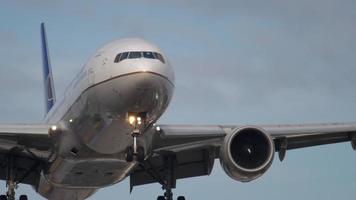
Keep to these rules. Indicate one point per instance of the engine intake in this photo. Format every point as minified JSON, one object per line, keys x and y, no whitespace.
{"x":247,"y":153}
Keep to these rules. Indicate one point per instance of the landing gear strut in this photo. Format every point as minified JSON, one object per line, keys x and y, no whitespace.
{"x":170,"y":178}
{"x":10,"y":182}
{"x":135,"y":151}
{"x":168,"y":181}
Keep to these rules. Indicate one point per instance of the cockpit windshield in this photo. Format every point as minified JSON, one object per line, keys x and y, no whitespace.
{"x":148,"y":54}
{"x":138,"y":54}
{"x":135,"y":54}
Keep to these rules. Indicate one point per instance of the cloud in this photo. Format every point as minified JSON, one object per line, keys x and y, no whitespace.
{"x":271,"y":55}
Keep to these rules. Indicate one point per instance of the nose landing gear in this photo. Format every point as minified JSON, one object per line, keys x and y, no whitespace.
{"x":135,"y":151}
{"x":131,"y":154}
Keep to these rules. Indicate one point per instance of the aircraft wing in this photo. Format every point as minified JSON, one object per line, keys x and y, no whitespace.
{"x":196,"y":147}
{"x":28,"y":147}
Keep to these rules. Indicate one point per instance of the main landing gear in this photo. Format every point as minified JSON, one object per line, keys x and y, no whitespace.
{"x":10,"y":182}
{"x":135,"y":151}
{"x":170,"y":179}
{"x":167,"y":179}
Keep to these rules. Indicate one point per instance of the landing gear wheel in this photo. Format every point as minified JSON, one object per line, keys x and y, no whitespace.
{"x":140,"y":154}
{"x":161,"y":198}
{"x":181,"y":198}
{"x":129,"y":154}
{"x":23,"y":197}
{"x":3,"y":197}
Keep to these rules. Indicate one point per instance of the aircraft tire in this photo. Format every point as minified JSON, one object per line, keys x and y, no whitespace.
{"x":23,"y":197}
{"x":161,"y":198}
{"x":129,"y":154}
{"x":140,"y":154}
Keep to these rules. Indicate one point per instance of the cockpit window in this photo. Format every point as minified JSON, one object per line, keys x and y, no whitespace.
{"x":138,"y":54}
{"x":148,"y":54}
{"x":117,"y":58}
{"x":159,"y":57}
{"x":123,"y":56}
{"x":120,"y":57}
{"x":135,"y":54}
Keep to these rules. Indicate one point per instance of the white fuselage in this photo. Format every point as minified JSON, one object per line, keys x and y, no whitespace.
{"x":93,"y":116}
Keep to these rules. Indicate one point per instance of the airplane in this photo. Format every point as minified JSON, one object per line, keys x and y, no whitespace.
{"x":104,"y":129}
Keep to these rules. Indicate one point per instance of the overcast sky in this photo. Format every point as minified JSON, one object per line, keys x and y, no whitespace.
{"x":236,"y":62}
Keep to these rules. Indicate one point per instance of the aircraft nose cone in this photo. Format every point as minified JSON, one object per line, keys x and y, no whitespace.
{"x":152,"y":66}
{"x":138,"y":91}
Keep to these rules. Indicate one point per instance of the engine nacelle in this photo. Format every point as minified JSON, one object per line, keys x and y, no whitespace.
{"x":247,"y":153}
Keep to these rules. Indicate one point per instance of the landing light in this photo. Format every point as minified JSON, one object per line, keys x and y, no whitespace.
{"x":158,"y":128}
{"x":54,"y":128}
{"x":132,"y":120}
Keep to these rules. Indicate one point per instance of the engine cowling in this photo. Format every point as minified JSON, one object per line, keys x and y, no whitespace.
{"x":247,"y":153}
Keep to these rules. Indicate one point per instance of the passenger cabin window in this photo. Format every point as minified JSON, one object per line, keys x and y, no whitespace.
{"x":138,"y":54}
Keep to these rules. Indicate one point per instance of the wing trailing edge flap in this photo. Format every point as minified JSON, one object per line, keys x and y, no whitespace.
{"x":32,"y":140}
{"x":187,"y":164}
{"x":194,"y":148}
{"x":288,"y":137}
{"x":28,"y":147}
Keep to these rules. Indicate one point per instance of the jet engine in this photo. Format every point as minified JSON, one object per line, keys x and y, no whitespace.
{"x":247,"y":153}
